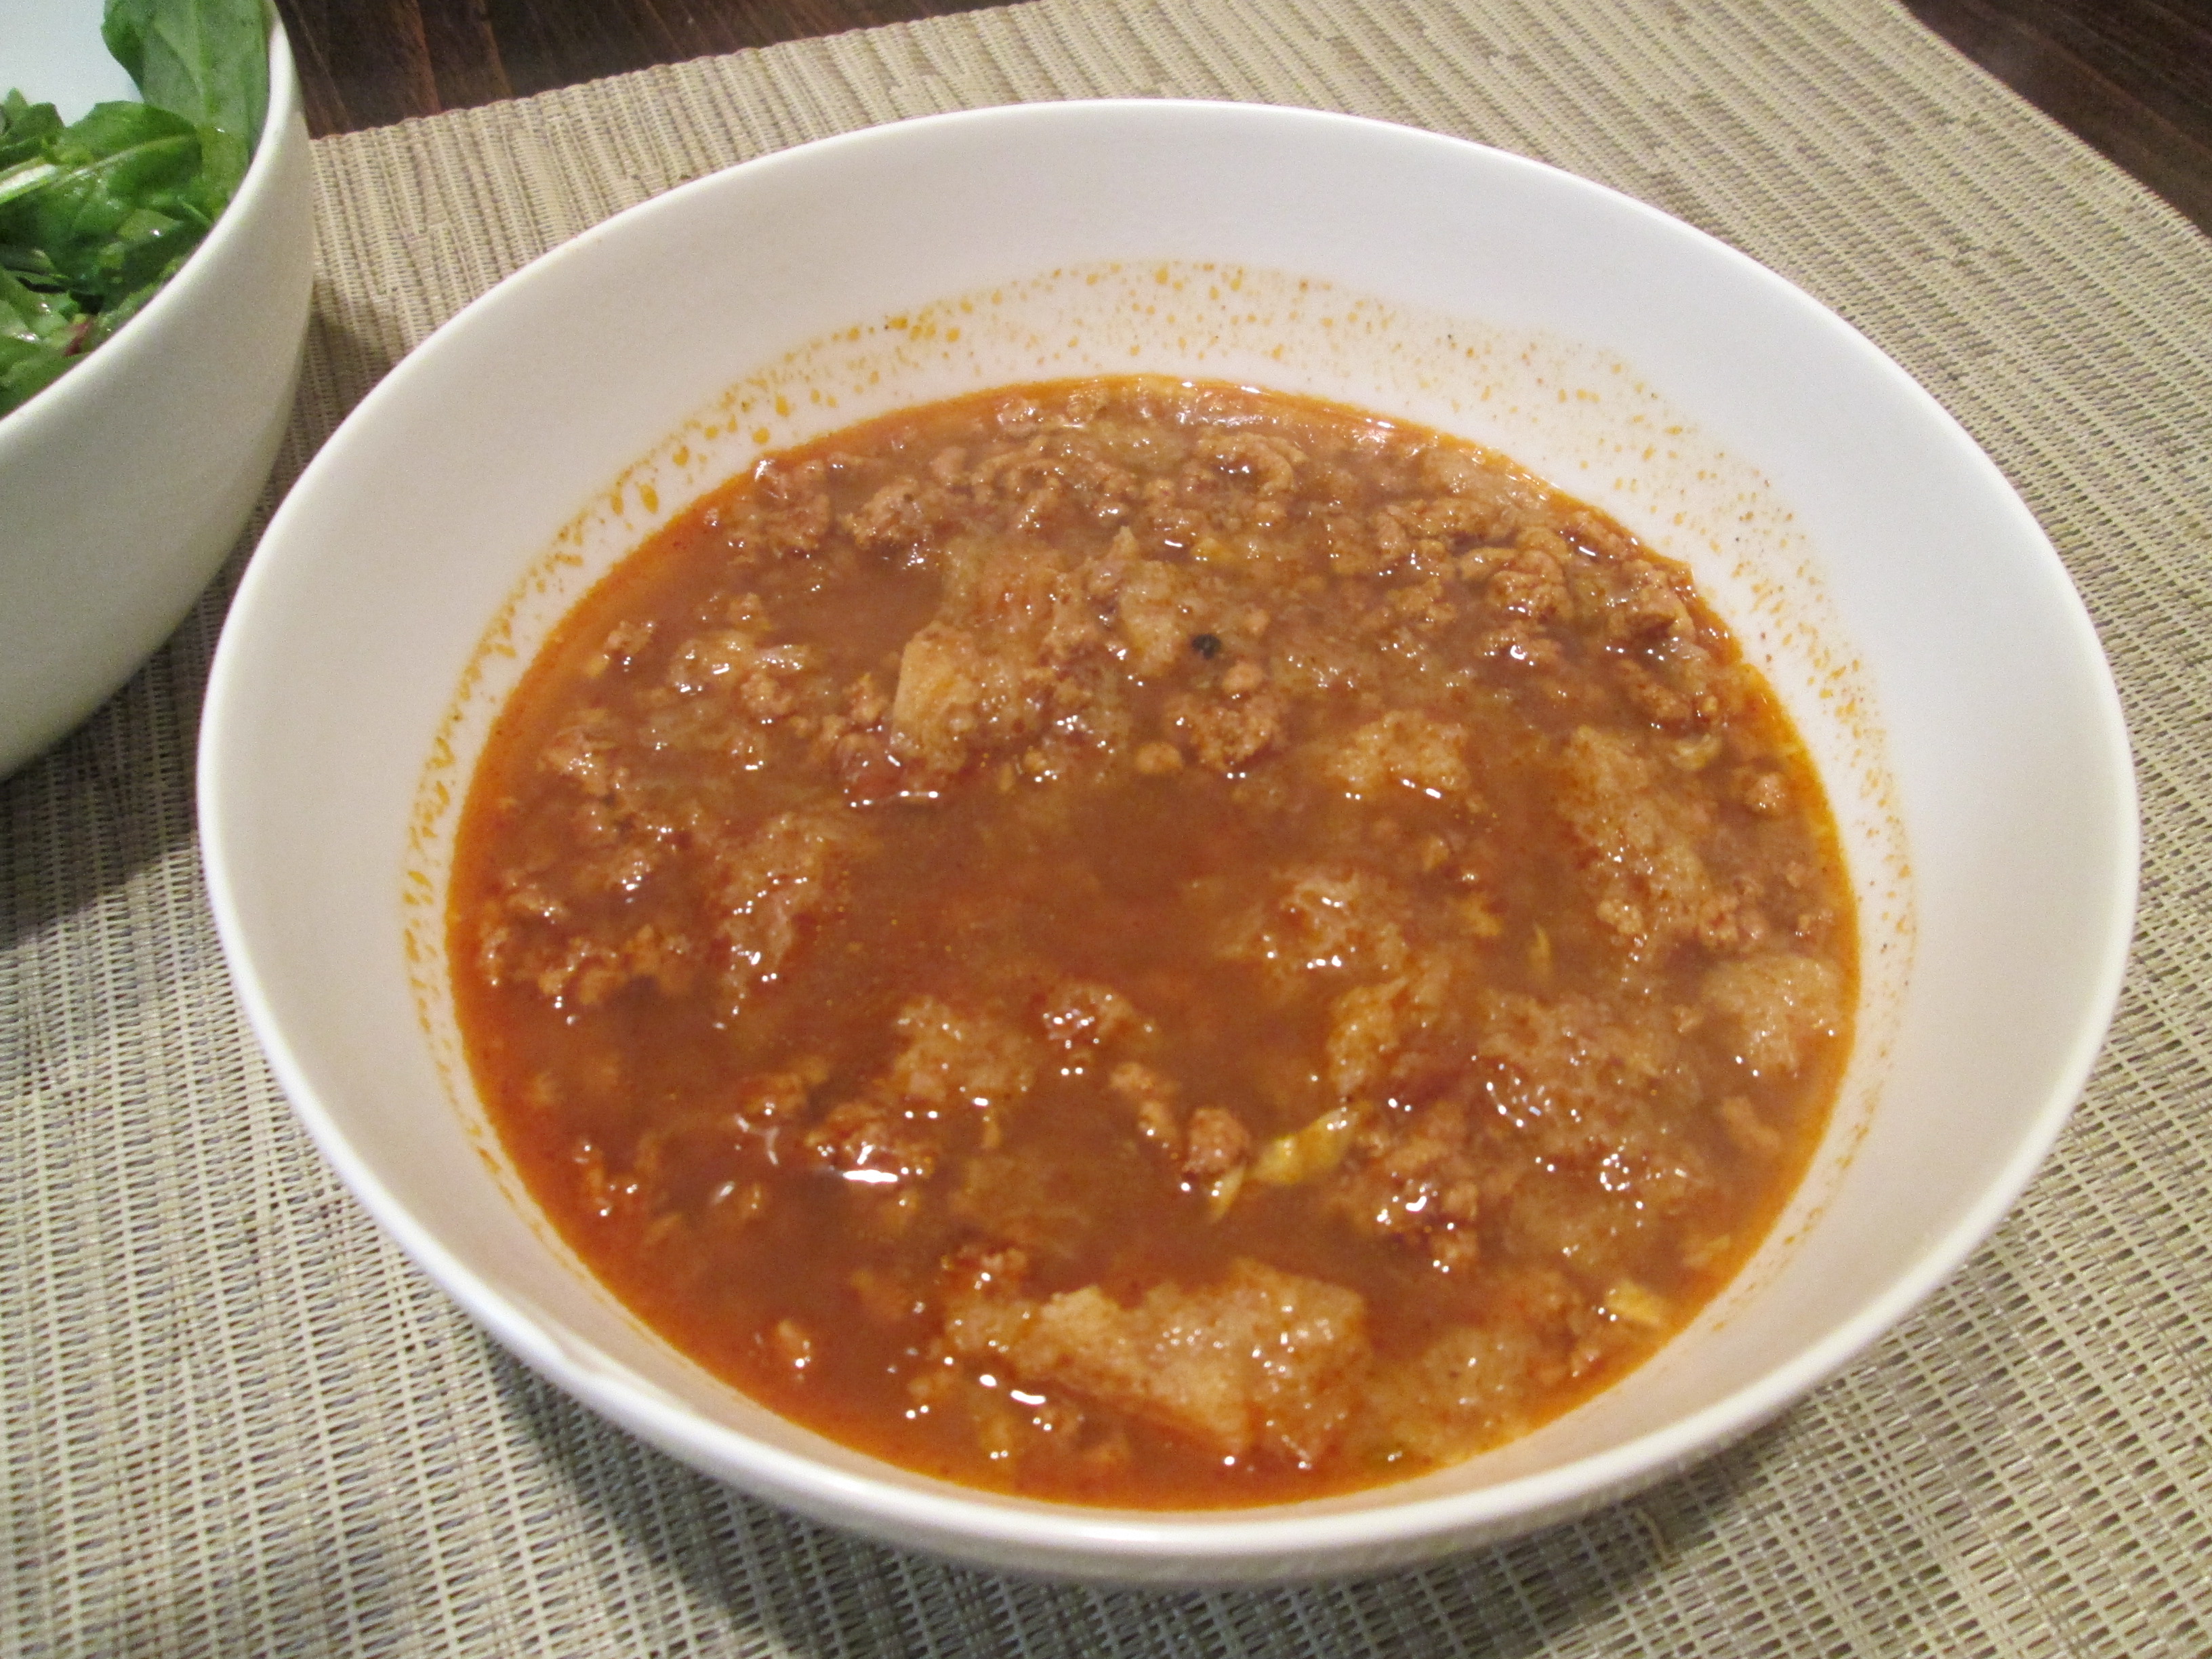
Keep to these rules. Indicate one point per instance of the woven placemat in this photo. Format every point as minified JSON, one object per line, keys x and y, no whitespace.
{"x":237,"y":1421}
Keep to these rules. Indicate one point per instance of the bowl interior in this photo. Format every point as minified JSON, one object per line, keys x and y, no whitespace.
{"x":1839,"y":520}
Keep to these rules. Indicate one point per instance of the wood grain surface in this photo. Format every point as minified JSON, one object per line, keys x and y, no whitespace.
{"x":2132,"y":78}
{"x":364,"y":63}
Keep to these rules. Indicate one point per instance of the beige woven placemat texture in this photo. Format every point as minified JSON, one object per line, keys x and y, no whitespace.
{"x":237,"y":1422}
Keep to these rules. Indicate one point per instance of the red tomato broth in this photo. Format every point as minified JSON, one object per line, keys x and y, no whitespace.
{"x":1153,"y":945}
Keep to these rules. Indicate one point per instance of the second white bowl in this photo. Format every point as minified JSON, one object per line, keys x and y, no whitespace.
{"x":1841,"y":522}
{"x":127,"y":481}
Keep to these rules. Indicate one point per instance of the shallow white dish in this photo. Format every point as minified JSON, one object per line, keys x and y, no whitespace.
{"x":128,"y":480}
{"x":1841,"y":522}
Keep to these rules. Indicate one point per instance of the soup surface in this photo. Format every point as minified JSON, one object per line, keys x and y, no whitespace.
{"x":1152,"y":944}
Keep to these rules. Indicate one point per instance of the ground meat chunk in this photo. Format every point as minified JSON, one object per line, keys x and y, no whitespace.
{"x":1642,"y":603}
{"x":579,"y":970}
{"x":1151,"y":1095}
{"x":1218,"y":1142}
{"x":905,"y":518}
{"x":1163,"y":612}
{"x":1389,"y":1037}
{"x":1260,"y":1362}
{"x":764,"y":680}
{"x":952,"y":1069}
{"x":984,"y":1310}
{"x":958,"y":694}
{"x":1083,"y":1017}
{"x":855,"y":744}
{"x":1779,"y":1005}
{"x":768,"y":1103}
{"x":1530,"y":584}
{"x":1326,"y":921}
{"x":1660,"y":702}
{"x":951,"y":1058}
{"x":1765,"y":793}
{"x":1503,"y":496}
{"x":583,"y":752}
{"x":1433,"y":530}
{"x":789,"y":513}
{"x":1582,"y":1050}
{"x":1008,"y":656}
{"x":1417,"y":1176}
{"x":1468,"y":1391}
{"x":1407,"y":749}
{"x":1598,"y":1094}
{"x":771,"y":890}
{"x":1057,"y":475}
{"x":1271,"y":464}
{"x":1226,"y":734}
{"x":1640,"y":847}
{"x":620,"y":650}
{"x":1526,"y":643}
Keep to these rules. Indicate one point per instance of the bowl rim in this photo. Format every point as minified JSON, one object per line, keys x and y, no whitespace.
{"x":142,"y":336}
{"x":979,"y":1525}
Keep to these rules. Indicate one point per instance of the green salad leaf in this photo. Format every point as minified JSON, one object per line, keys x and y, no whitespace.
{"x":206,"y":60}
{"x":23,"y":127}
{"x":95,"y":216}
{"x":38,"y":334}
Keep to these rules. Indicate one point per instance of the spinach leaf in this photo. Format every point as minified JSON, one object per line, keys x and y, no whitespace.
{"x":96,"y":215}
{"x":206,"y":60}
{"x":24,"y":126}
{"x":39,"y":333}
{"x":115,"y":201}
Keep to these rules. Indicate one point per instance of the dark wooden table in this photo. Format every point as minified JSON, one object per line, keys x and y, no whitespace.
{"x":2132,"y":78}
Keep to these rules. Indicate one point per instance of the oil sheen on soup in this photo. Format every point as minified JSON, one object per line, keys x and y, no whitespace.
{"x":1152,"y":944}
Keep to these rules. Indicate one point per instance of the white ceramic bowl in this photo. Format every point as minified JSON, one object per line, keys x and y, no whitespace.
{"x":128,"y":480}
{"x":1871,"y":558}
